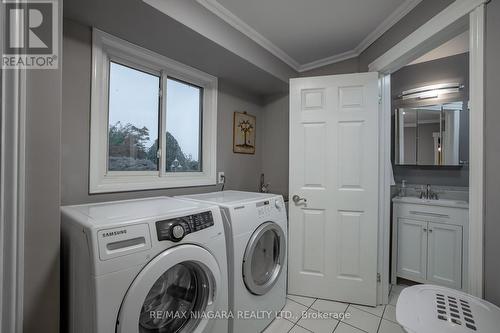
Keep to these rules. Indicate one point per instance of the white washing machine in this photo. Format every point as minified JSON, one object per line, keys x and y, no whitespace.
{"x":143,"y":266}
{"x":256,"y":253}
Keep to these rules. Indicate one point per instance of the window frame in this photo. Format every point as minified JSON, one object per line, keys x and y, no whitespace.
{"x":107,"y":48}
{"x":200,"y":119}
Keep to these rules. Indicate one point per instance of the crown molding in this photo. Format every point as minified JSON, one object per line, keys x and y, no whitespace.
{"x":328,"y":60}
{"x":234,"y":21}
{"x":388,"y":23}
{"x":197,"y":18}
{"x":227,"y":16}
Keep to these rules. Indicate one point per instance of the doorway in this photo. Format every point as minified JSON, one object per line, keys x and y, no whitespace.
{"x":442,"y":27}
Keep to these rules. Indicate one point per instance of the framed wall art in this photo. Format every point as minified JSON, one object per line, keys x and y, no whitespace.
{"x":244,"y":126}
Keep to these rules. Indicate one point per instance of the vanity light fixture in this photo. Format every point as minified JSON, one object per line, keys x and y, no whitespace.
{"x":431,"y":91}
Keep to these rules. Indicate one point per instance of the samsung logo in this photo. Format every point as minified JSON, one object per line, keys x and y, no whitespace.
{"x":114,"y":233}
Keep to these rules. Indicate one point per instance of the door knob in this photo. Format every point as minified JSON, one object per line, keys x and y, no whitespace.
{"x":296,"y":199}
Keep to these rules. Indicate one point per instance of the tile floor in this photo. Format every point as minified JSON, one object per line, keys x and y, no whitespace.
{"x":362,"y":319}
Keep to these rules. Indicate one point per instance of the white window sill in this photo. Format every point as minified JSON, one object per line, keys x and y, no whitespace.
{"x":121,"y":183}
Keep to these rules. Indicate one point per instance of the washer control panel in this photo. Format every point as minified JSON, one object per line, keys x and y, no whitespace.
{"x":177,"y":228}
{"x":268,"y":207}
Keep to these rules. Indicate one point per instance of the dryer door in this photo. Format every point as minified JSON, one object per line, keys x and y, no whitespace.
{"x":170,"y":292}
{"x":264,"y":258}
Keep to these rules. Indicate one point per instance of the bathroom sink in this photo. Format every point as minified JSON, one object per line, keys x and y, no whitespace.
{"x":438,"y":202}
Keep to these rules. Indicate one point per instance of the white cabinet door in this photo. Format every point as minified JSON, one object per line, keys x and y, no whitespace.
{"x":444,"y":265}
{"x":412,"y":249}
{"x":334,"y":155}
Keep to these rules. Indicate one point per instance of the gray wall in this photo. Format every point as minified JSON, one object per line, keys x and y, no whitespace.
{"x":450,"y":69}
{"x":275,"y":143}
{"x":242,"y":171}
{"x":492,"y":152}
{"x":43,"y":152}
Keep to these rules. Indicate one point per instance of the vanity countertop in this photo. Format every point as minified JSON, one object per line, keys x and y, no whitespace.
{"x":439,"y":202}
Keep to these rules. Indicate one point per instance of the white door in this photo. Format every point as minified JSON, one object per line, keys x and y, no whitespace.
{"x":412,"y":249}
{"x":444,"y":265}
{"x":334,"y":165}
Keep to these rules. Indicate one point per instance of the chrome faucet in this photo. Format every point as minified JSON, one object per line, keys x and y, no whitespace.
{"x":428,"y":194}
{"x":264,"y":187}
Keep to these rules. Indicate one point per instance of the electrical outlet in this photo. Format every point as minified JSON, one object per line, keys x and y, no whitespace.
{"x":221,"y":179}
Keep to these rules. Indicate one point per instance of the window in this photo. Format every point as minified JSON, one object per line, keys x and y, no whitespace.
{"x":183,"y":127}
{"x":133,"y":119}
{"x":153,"y":120}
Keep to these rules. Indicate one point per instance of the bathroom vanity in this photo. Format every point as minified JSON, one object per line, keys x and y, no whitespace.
{"x":430,"y":240}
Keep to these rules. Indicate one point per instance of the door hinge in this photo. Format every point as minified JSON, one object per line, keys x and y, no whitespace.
{"x":380,"y":100}
{"x":379,"y":278}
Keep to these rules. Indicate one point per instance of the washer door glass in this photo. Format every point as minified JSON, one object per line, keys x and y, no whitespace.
{"x":181,"y":291}
{"x":264,"y":258}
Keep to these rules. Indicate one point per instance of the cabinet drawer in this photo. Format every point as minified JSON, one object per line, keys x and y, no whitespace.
{"x":438,"y":214}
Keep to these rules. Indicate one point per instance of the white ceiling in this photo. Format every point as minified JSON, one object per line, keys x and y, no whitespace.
{"x":311,"y":33}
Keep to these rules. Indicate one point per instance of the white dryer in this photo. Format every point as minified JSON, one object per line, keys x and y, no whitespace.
{"x":257,"y":247}
{"x":143,"y":266}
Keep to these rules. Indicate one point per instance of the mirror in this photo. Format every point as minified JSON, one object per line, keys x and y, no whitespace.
{"x":428,"y":135}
